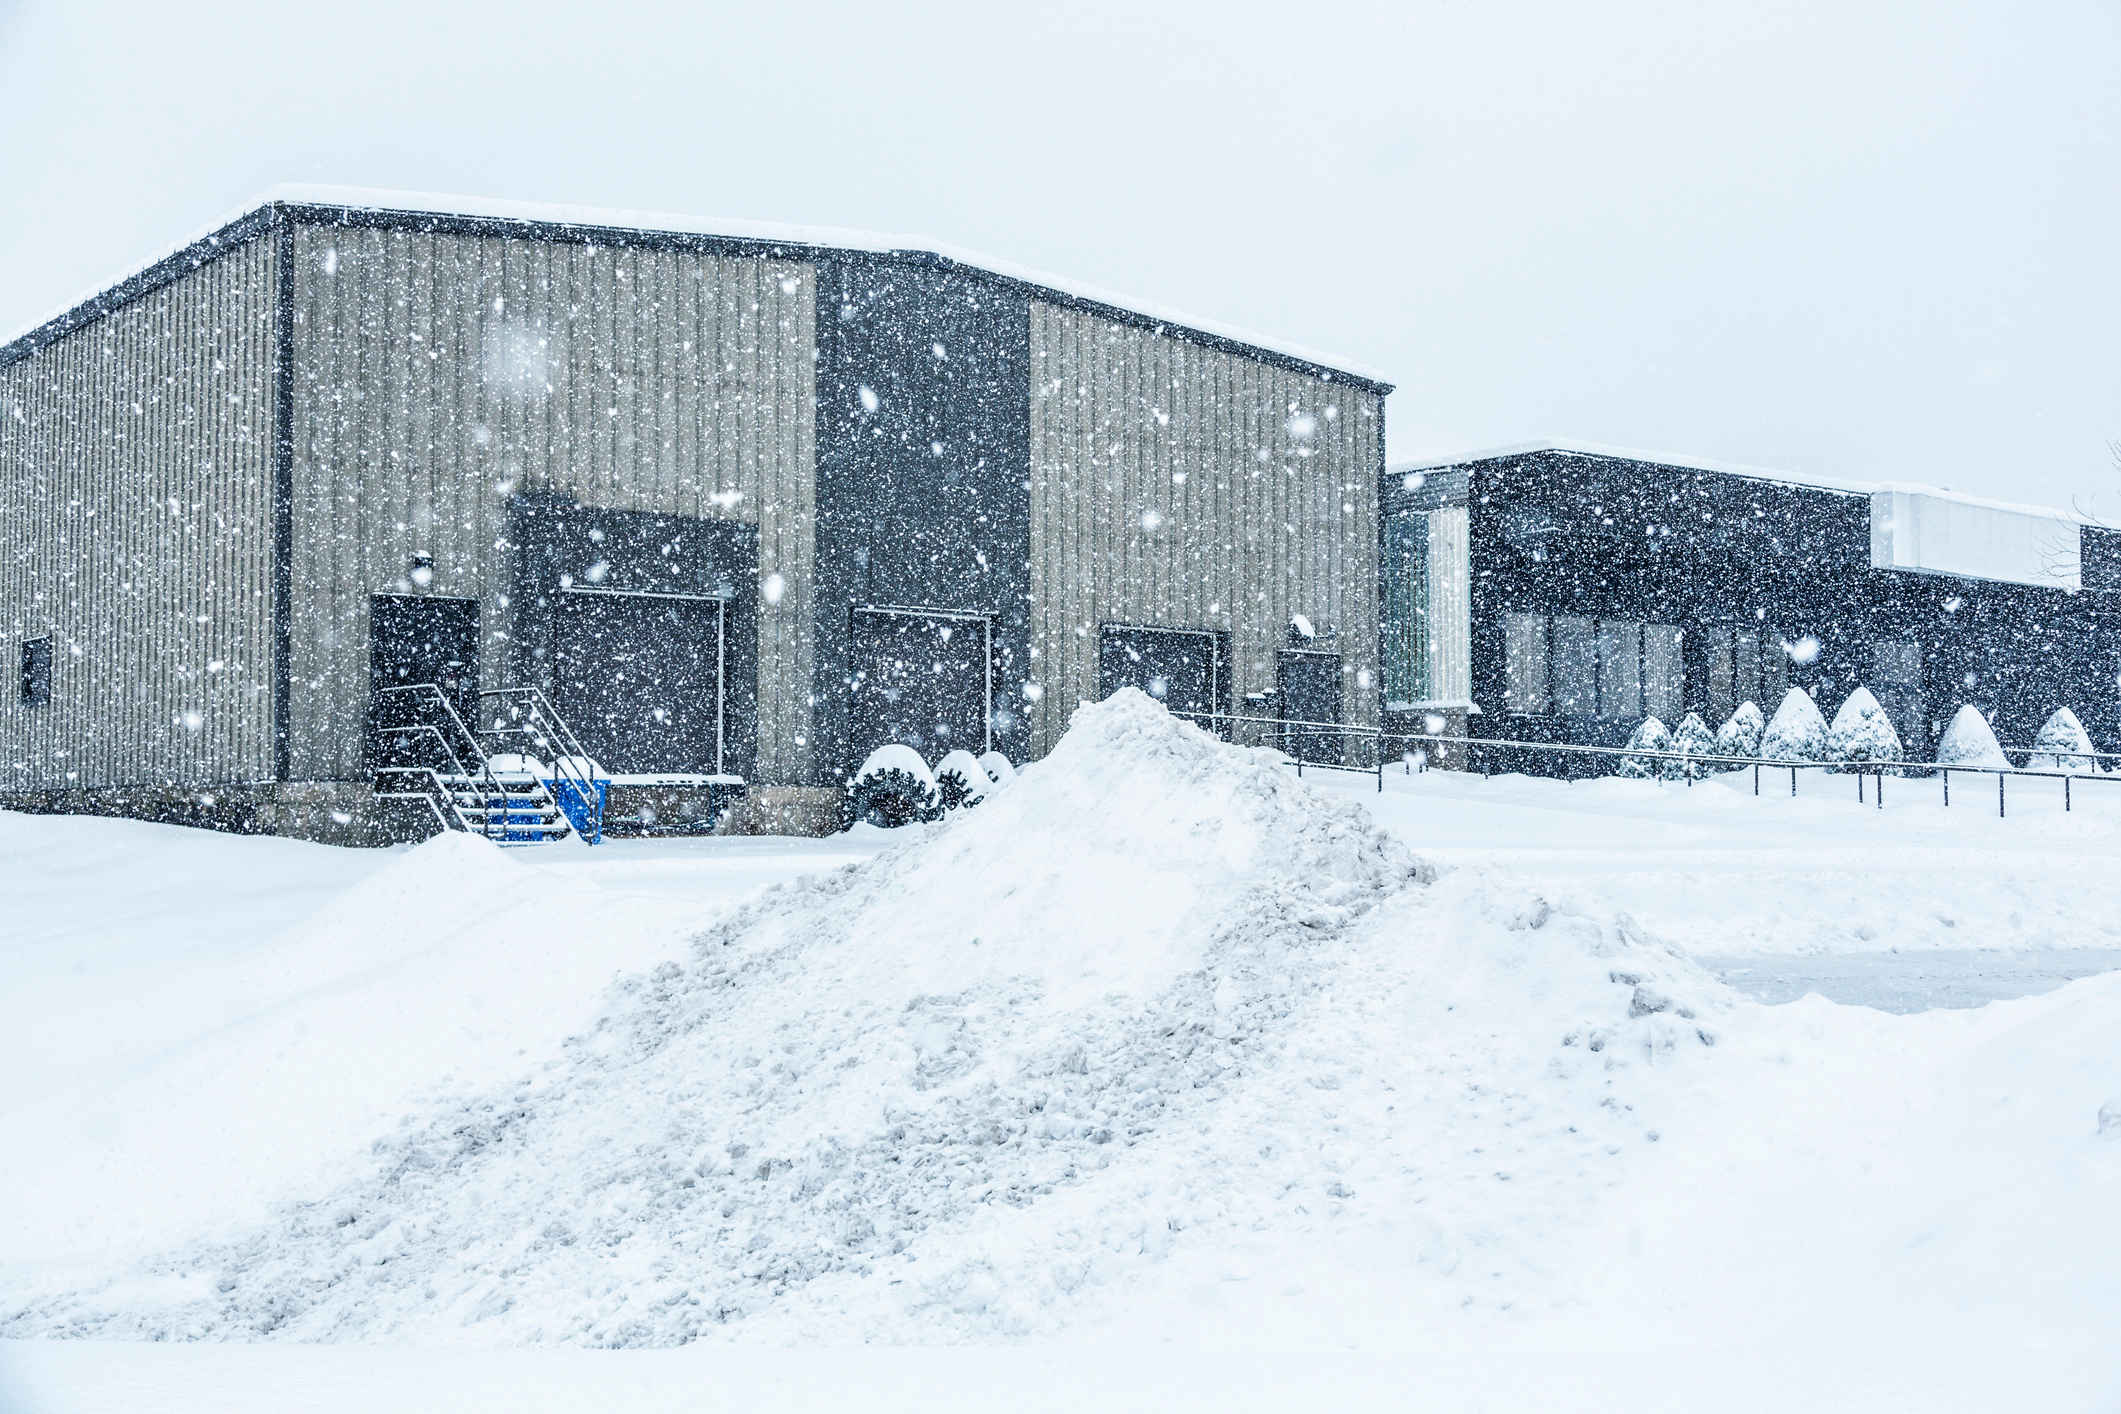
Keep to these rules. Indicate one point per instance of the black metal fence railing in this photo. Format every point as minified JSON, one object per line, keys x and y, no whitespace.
{"x":1368,"y":751}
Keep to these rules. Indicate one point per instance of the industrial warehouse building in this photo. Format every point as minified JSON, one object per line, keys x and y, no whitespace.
{"x":743,"y":504}
{"x":1561,"y":593}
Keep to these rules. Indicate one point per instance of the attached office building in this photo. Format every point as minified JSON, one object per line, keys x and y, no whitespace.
{"x":1561,"y":593}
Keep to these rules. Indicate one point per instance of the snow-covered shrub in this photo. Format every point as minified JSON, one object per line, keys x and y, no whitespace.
{"x":960,"y":781}
{"x":1694,"y":739}
{"x":1740,"y":736}
{"x":1969,"y":741}
{"x":1650,"y":736}
{"x":1862,"y":733}
{"x":893,"y":787}
{"x":2063,"y":745}
{"x":1796,"y":732}
{"x":999,"y":771}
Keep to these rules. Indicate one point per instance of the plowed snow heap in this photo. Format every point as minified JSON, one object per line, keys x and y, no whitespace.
{"x":987,"y":1014}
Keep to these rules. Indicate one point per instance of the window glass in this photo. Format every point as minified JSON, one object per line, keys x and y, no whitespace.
{"x":1745,"y":654}
{"x":1896,"y":681}
{"x":1897,"y":662}
{"x":1525,"y":653}
{"x":1723,"y":672}
{"x":36,"y":672}
{"x":1620,"y":669}
{"x":1575,"y":665}
{"x":1406,"y":636}
{"x":1663,"y":672}
{"x":1774,"y":670}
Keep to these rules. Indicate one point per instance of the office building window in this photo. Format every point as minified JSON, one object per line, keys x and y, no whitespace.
{"x":1525,"y":662}
{"x":1663,"y":672}
{"x":36,"y":689}
{"x":1575,"y":665}
{"x":1619,"y":669}
{"x":1406,"y":639}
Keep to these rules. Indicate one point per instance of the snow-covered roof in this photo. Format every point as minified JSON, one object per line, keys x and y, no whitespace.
{"x":820,"y":238}
{"x":1808,"y":480}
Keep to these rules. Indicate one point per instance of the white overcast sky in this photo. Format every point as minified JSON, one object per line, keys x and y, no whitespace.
{"x":1851,"y":238}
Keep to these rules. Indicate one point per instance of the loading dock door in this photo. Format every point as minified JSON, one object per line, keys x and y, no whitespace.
{"x":432,"y":639}
{"x":1181,"y":668}
{"x":639,"y":678}
{"x":1310,"y":692}
{"x":923,"y":678}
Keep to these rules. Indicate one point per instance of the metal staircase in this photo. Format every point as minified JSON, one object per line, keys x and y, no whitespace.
{"x":423,"y":751}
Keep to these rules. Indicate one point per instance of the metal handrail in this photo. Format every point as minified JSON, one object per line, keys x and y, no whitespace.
{"x":1873,"y":770}
{"x":485,"y":777}
{"x":433,"y":791}
{"x":567,"y":763}
{"x":426,"y":799}
{"x":430,"y":730}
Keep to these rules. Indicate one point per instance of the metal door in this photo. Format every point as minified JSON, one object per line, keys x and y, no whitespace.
{"x":1310,"y":692}
{"x":1181,"y":668}
{"x":923,"y":678}
{"x":426,"y":639}
{"x":639,"y":678}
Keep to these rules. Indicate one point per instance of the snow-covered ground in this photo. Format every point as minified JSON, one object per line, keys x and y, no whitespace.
{"x":1160,"y":1051}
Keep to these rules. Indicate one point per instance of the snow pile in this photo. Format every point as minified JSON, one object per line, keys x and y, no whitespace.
{"x":1796,"y":732}
{"x":984,"y":1016}
{"x":1970,"y":741}
{"x":1862,"y":732}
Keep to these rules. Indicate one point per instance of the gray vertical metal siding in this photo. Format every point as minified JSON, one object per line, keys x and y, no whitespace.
{"x":135,"y":528}
{"x":437,"y":374}
{"x":1266,"y":523}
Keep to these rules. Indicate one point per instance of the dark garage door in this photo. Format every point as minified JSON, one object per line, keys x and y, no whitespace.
{"x":920,"y":678}
{"x":1181,"y":668}
{"x":639,"y":678}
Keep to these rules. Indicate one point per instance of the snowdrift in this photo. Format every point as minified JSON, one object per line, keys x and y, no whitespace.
{"x":1158,"y":985}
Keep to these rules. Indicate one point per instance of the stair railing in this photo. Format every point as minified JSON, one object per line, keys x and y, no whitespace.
{"x":427,"y":788}
{"x":531,"y":715}
{"x":427,"y":697}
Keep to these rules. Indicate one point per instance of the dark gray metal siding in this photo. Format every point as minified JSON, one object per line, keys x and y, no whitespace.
{"x":922,"y":500}
{"x":438,"y":375}
{"x":135,"y":527}
{"x":1183,"y":486}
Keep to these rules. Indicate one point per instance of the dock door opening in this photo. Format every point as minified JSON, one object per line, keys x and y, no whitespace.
{"x":1185,"y":669}
{"x":639,"y":676}
{"x":923,"y":678}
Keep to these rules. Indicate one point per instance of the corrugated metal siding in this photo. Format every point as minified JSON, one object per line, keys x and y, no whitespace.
{"x":1450,"y":607}
{"x":438,"y":374}
{"x":135,"y":527}
{"x":1174,"y":484}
